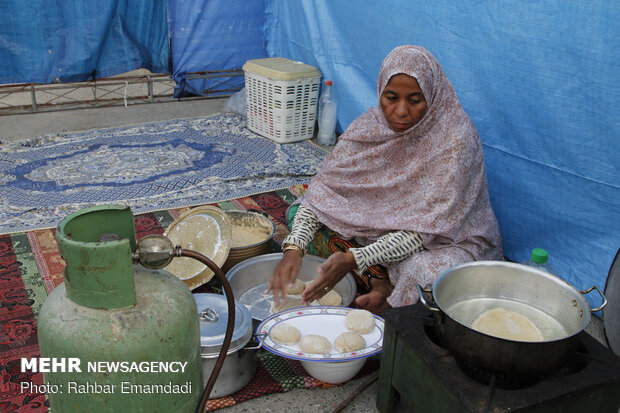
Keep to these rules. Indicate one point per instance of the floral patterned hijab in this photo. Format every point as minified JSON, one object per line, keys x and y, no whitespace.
{"x":429,"y":178}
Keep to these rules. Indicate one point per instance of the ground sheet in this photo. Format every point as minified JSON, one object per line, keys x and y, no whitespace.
{"x":31,"y":267}
{"x":151,"y":167}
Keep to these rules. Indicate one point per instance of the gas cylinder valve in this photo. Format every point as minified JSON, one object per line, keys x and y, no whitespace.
{"x":154,"y":251}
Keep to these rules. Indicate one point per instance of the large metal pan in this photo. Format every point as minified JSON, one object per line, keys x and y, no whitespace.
{"x":465,"y":291}
{"x":248,"y":280}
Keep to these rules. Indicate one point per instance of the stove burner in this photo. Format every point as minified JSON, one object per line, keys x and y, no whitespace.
{"x":501,"y":381}
{"x":429,"y":329}
{"x":507,"y":381}
{"x":429,"y":377}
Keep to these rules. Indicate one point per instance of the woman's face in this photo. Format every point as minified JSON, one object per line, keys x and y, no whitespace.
{"x":402,"y":102}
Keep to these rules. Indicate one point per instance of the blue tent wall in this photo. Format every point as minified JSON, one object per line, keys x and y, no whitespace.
{"x":50,"y":41}
{"x":541,"y":81}
{"x":43,"y":41}
{"x":210,"y":35}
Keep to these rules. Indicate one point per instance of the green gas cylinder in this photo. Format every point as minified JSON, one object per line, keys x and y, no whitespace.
{"x":114,"y":336}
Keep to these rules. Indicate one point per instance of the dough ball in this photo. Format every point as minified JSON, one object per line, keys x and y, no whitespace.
{"x":315,"y":344}
{"x":331,"y":298}
{"x":360,"y":321}
{"x":286,"y":305}
{"x":284,"y":333}
{"x":349,"y":341}
{"x":507,"y":324}
{"x":297,"y":288}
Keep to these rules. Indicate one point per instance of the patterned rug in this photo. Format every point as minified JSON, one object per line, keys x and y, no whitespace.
{"x":31,"y":267}
{"x":150,"y":167}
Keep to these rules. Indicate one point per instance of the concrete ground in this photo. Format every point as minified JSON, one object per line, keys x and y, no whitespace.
{"x":16,"y":127}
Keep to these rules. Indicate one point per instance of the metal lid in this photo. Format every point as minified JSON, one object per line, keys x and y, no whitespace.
{"x":213,"y":316}
{"x":205,"y":229}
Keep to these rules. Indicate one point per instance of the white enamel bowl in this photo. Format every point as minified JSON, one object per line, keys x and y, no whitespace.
{"x":334,"y":373}
{"x":329,"y":322}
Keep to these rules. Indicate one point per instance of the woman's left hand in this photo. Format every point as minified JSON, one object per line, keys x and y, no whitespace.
{"x":330,"y":273}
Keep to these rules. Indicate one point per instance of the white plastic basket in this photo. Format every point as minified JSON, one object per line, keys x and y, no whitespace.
{"x":281,"y":98}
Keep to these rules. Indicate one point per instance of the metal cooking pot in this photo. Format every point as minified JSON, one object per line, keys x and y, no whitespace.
{"x":465,"y":291}
{"x":240,"y":364}
{"x":248,"y":280}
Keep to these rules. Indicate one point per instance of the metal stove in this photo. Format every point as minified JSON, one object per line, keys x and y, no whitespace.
{"x":417,"y":368}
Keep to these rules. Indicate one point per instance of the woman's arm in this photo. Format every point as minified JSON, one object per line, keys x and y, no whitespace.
{"x":305,"y":225}
{"x":392,"y":247}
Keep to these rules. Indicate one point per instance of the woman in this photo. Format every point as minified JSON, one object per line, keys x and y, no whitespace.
{"x":404,"y":189}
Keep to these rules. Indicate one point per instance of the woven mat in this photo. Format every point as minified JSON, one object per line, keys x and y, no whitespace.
{"x":275,"y":374}
{"x":30,"y":268}
{"x":150,"y":167}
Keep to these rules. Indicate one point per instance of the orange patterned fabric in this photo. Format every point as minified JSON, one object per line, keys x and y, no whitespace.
{"x":429,"y":178}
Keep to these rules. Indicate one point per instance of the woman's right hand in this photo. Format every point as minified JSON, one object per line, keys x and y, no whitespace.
{"x":330,"y":273}
{"x":284,"y":275}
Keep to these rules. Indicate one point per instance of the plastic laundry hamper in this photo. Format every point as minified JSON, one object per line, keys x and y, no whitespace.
{"x":281,"y":98}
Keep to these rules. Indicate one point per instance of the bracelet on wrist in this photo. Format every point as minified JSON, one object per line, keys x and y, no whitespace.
{"x":293,"y":247}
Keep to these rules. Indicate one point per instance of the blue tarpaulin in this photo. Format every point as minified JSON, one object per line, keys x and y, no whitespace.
{"x":540,"y":79}
{"x":541,"y":82}
{"x":208,"y":35}
{"x":46,"y":41}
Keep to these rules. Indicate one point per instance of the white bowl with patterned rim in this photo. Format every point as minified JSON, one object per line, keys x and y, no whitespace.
{"x":336,"y":372}
{"x":329,"y":322}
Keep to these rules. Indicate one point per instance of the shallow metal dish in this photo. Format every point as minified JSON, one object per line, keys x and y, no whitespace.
{"x":248,"y":280}
{"x":213,"y":241}
{"x":251,"y":221}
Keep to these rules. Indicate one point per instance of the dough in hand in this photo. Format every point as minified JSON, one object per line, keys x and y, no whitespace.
{"x":284,"y":333}
{"x":315,"y":344}
{"x":349,"y":341}
{"x":297,"y":288}
{"x":360,"y":321}
{"x":286,"y":305}
{"x":507,"y":324}
{"x":331,"y":298}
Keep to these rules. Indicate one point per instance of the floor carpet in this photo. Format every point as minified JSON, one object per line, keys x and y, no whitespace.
{"x":151,"y":167}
